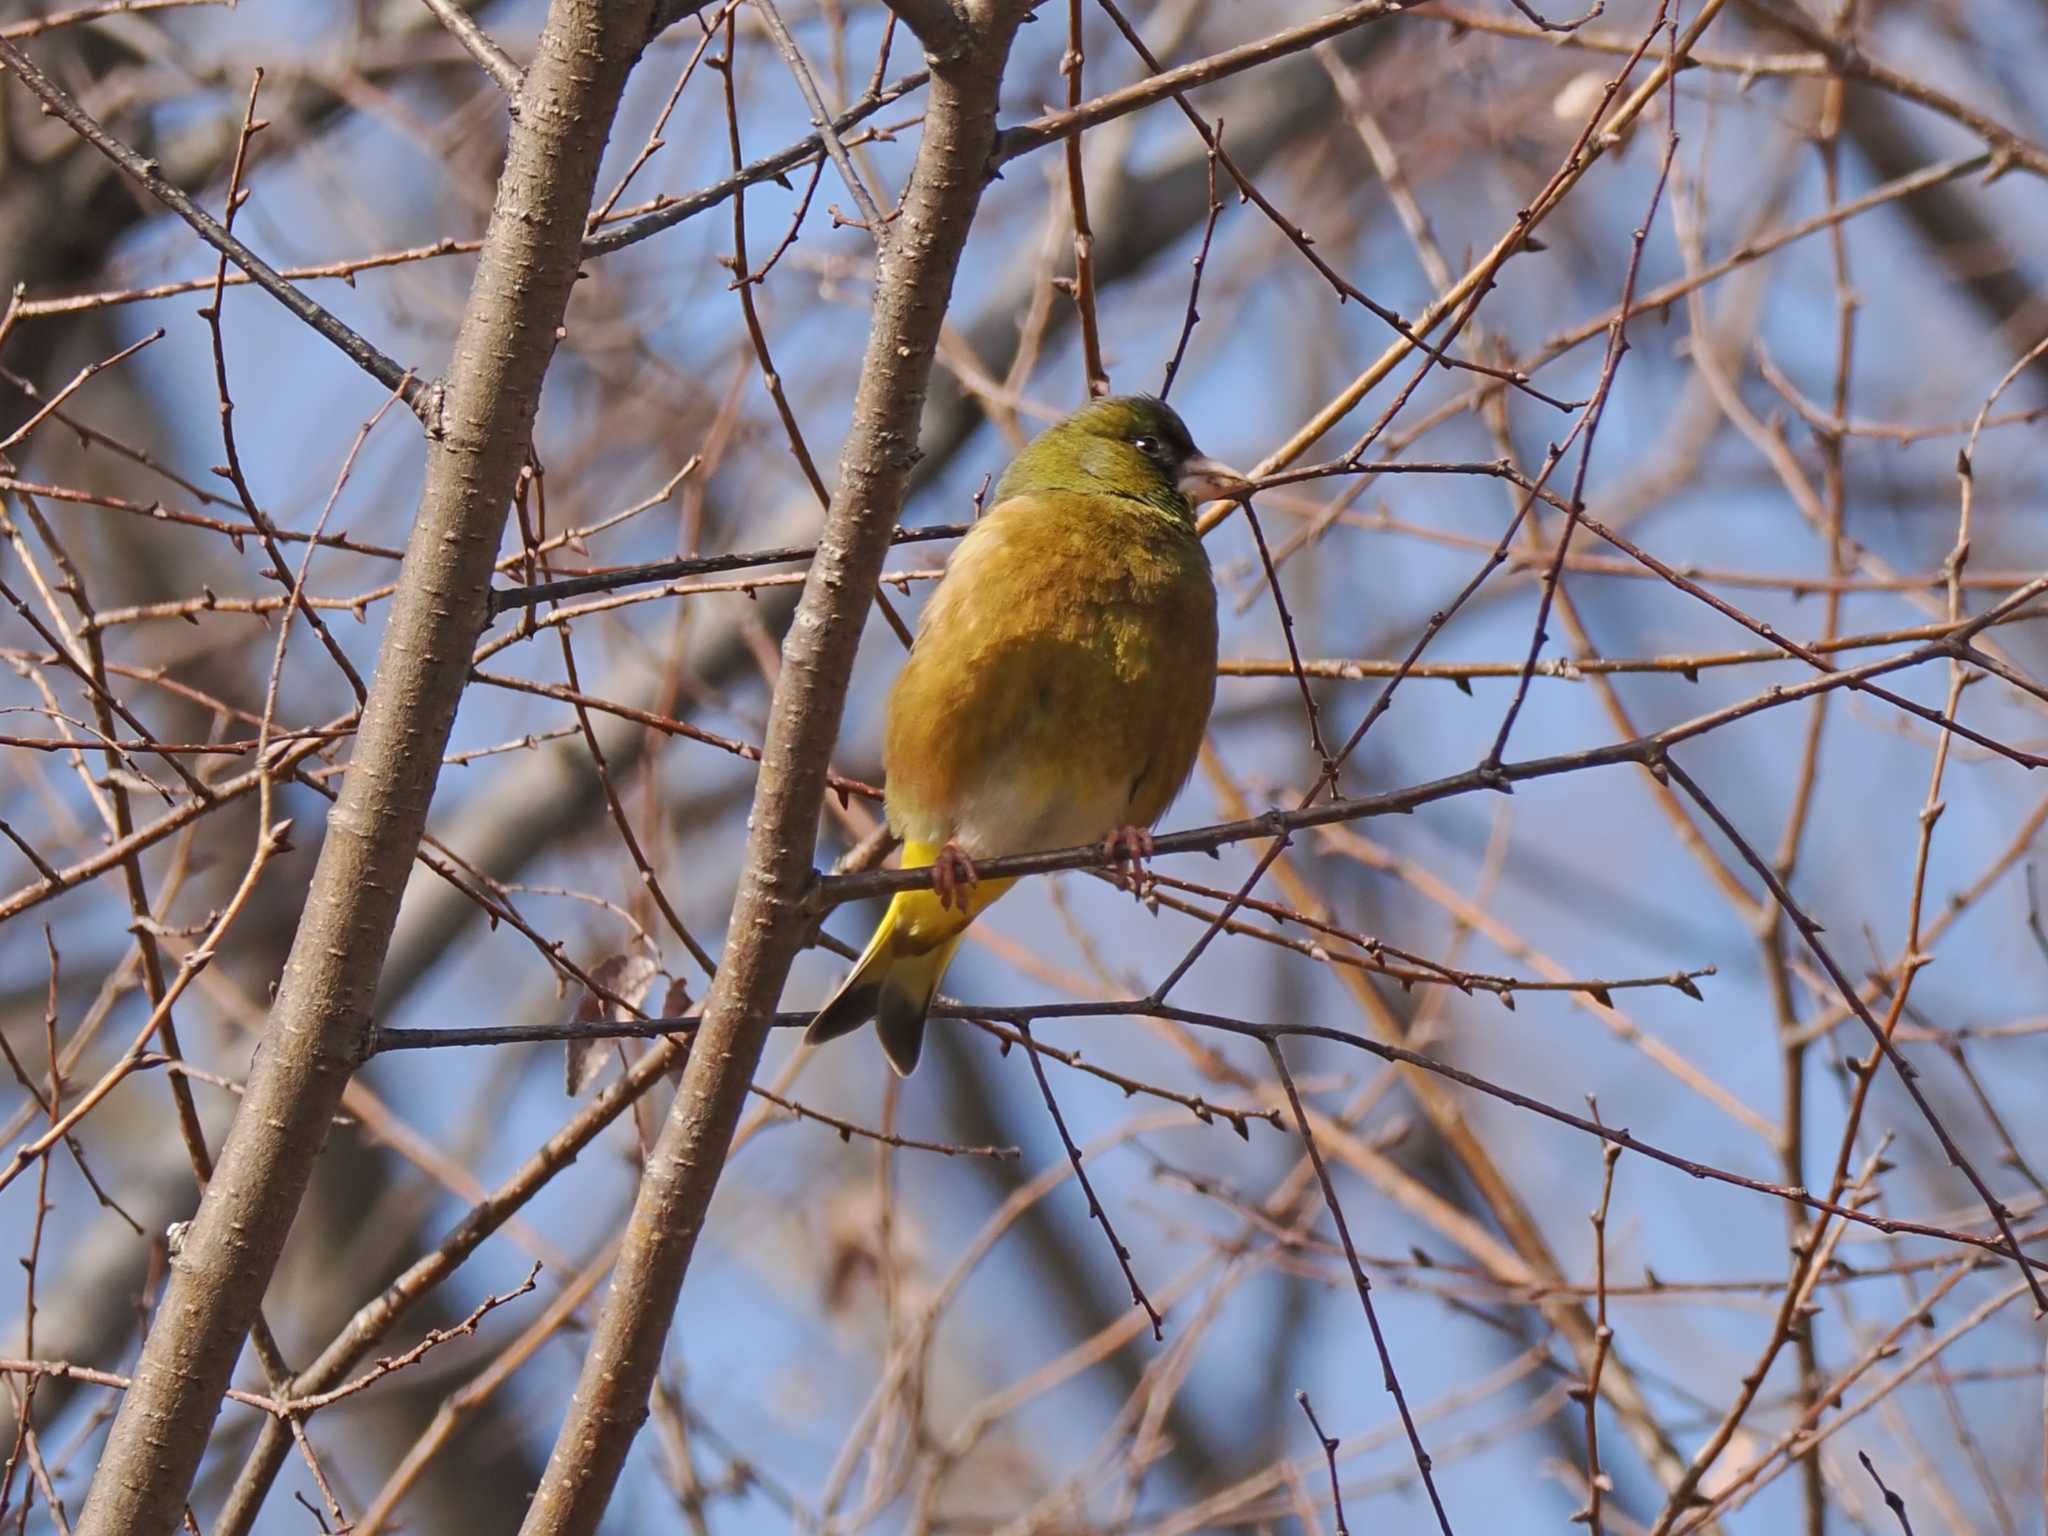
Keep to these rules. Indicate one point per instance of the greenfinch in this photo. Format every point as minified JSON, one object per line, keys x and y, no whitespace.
{"x":1056,"y":694}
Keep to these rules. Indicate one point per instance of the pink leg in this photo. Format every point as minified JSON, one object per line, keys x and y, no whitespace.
{"x":1127,"y":849}
{"x":953,"y":875}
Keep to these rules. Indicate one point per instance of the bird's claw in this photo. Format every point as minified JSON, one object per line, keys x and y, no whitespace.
{"x":953,"y":876}
{"x":1127,"y":849}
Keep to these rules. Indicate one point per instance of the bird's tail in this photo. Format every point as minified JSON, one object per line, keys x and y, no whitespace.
{"x":898,"y":974}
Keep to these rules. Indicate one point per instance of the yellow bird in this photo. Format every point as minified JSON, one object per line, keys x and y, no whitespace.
{"x":1057,"y":692}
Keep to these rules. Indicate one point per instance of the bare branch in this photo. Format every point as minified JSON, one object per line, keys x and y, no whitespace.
{"x":321,"y":1015}
{"x":939,"y":24}
{"x":1055,"y":126}
{"x":145,"y":171}
{"x":1453,"y":988}
{"x":494,"y":60}
{"x":770,"y":918}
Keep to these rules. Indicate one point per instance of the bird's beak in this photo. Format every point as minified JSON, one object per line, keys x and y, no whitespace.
{"x":1205,"y":479}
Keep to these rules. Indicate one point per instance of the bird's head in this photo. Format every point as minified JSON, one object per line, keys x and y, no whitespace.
{"x":1128,"y":445}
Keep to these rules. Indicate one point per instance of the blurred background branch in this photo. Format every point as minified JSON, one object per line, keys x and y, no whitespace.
{"x":876,"y":1337}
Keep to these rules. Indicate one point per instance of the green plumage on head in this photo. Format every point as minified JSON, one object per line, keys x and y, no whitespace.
{"x":1126,"y":446}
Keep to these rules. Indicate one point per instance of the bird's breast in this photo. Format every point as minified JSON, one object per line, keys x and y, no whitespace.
{"x":1058,"y":689}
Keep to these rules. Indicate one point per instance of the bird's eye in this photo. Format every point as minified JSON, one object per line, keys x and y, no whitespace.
{"x":1149,"y":446}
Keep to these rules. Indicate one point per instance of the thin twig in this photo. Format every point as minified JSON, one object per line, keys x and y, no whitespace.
{"x":489,"y":56}
{"x":1123,"y":1254}
{"x":1361,"y":1284}
{"x":1329,"y":1445}
{"x":149,"y":175}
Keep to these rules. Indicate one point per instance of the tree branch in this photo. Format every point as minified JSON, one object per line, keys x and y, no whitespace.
{"x":667,"y":13}
{"x":1648,"y":751}
{"x":1039,"y":132}
{"x":618,"y":236}
{"x":939,"y":25}
{"x":358,"y":349}
{"x":319,"y":1022}
{"x":478,"y":42}
{"x":770,"y":918}
{"x":1055,"y":126}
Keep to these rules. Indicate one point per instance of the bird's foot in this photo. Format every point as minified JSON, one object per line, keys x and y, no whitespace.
{"x":953,"y":875}
{"x":1127,"y":849}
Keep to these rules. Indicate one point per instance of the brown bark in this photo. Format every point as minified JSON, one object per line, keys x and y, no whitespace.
{"x":770,"y":919}
{"x":321,"y":1017}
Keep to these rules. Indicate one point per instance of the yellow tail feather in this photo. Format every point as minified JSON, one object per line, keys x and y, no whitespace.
{"x":898,"y":974}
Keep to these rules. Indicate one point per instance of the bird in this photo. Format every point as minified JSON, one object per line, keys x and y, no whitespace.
{"x":1056,"y":693}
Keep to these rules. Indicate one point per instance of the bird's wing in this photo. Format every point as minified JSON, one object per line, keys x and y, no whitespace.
{"x":1060,"y":682}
